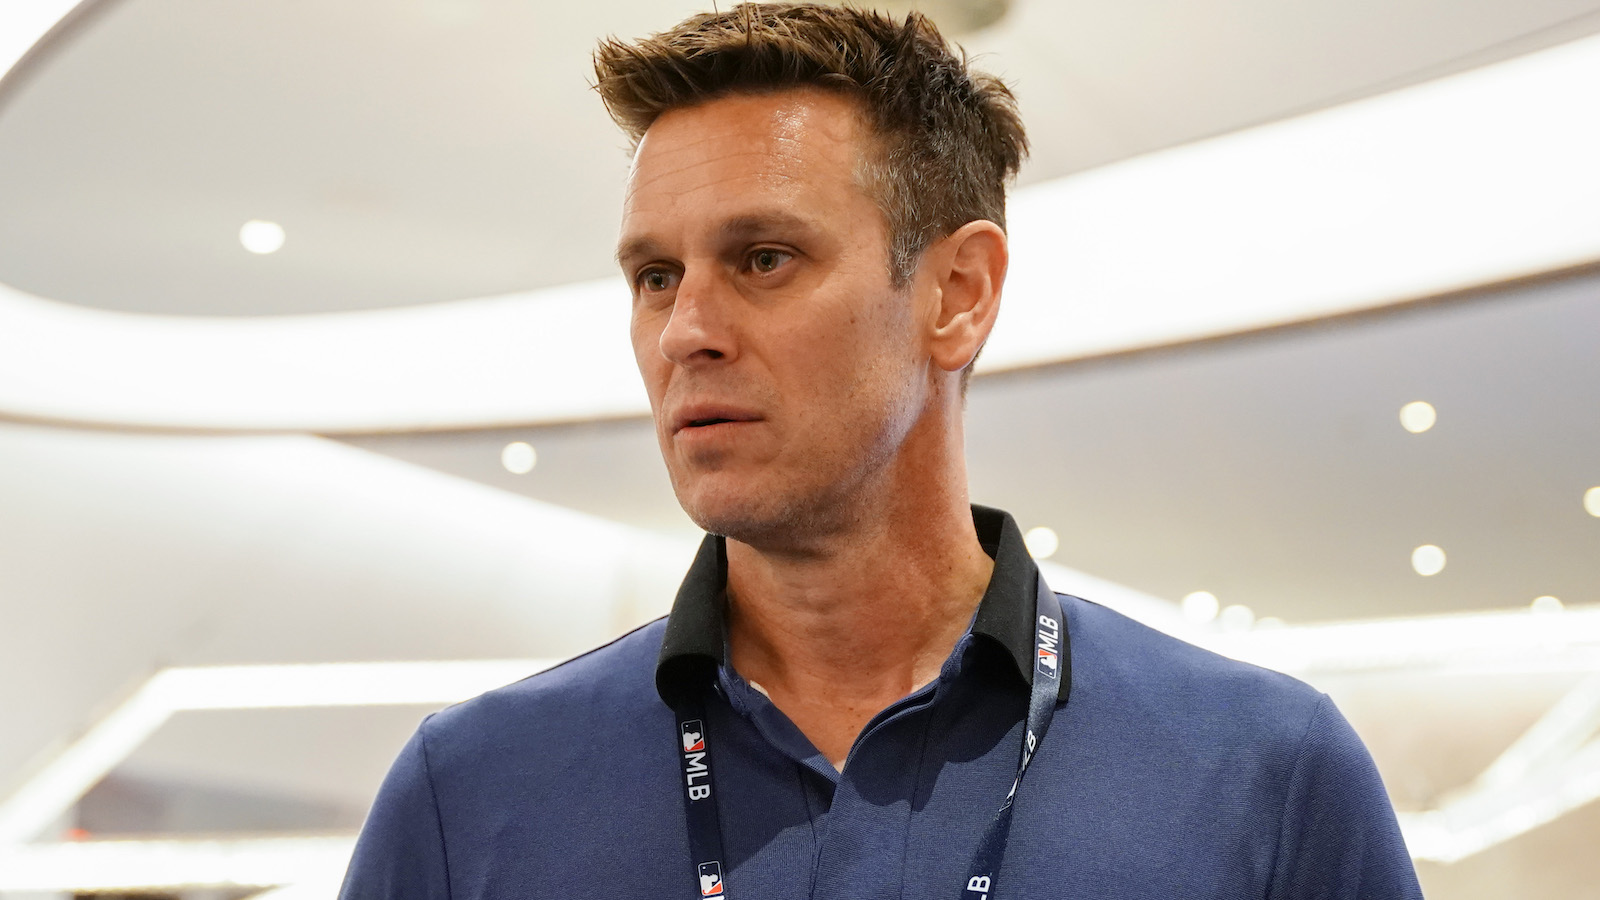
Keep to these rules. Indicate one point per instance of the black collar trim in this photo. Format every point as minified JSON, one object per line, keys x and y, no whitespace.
{"x":692,"y":649}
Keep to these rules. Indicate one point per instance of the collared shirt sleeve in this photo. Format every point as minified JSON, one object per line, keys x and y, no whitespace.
{"x":1339,"y":838}
{"x":400,"y":854}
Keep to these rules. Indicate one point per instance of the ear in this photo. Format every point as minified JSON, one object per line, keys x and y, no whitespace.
{"x":969,"y":270}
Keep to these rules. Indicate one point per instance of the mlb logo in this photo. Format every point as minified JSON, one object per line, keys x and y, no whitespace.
{"x":694,"y":737}
{"x":1047,"y":661}
{"x":711,"y":879}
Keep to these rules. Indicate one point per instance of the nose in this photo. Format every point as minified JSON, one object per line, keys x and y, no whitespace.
{"x":700,"y":328}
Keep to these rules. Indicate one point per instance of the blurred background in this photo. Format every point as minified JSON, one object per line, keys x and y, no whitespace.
{"x":317,"y":411}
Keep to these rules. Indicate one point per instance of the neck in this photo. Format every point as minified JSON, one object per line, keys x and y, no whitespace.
{"x":836,"y":633}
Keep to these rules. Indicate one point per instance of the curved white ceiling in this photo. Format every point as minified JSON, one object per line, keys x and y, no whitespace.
{"x":1470,"y":180}
{"x":25,"y":24}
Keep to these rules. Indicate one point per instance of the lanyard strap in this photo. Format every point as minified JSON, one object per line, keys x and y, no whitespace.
{"x":1049,"y":624}
{"x":700,"y":803}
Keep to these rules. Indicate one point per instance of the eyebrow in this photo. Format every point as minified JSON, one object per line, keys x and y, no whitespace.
{"x":737,"y":228}
{"x":759,"y":223}
{"x":635,"y":248}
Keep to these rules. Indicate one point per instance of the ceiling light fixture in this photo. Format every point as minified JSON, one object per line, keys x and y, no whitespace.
{"x":519,"y":457}
{"x":1591,"y":501}
{"x":1546,"y":605}
{"x":1418,"y":416}
{"x":261,"y":237}
{"x":1427,"y":560}
{"x":1200,"y":607}
{"x":1236,"y":617}
{"x":1041,"y":542}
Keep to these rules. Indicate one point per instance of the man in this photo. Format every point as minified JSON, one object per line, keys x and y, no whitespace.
{"x":863,"y":689}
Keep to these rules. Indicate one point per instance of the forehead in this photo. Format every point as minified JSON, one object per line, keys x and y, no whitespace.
{"x":794,"y":147}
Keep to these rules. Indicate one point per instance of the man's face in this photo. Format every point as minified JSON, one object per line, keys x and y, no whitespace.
{"x":784,"y":369}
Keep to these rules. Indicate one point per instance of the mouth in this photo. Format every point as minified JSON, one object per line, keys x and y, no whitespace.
{"x":695,"y":419}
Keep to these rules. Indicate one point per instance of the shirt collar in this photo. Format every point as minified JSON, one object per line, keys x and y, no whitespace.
{"x":693,"y":647}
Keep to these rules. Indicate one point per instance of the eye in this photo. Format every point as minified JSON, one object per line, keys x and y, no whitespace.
{"x":767,"y":260}
{"x":654,"y":281}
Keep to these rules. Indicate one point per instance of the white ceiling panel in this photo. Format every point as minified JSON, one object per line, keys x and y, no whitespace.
{"x":441,"y":149}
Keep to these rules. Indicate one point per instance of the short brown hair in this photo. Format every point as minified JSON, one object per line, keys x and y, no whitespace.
{"x":949,"y":138}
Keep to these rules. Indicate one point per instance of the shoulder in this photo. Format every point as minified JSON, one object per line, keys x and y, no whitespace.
{"x":557,"y":769}
{"x":1257,"y":773}
{"x":1178,"y":685}
{"x":612,"y":684}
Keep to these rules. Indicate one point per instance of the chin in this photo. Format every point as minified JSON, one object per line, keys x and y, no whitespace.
{"x":741,"y":521}
{"x":730,"y":510}
{"x":759,"y":518}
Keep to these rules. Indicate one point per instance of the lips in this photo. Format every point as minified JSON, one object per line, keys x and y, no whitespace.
{"x":704,"y":415}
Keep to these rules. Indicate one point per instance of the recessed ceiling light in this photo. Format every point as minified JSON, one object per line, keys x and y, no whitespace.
{"x":1418,"y":416}
{"x":1546,"y":604}
{"x":1427,"y":560}
{"x":1200,"y":607}
{"x":1236,"y":617}
{"x":1591,"y":501}
{"x":1042,"y":542}
{"x":518,"y":457}
{"x":261,"y":236}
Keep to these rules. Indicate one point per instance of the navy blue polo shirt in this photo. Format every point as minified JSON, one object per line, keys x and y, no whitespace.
{"x":1168,"y":771}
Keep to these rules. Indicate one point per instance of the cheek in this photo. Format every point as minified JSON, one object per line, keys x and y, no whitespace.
{"x":881,"y":344}
{"x":891,"y":378}
{"x":647,"y":356}
{"x":863,"y":375}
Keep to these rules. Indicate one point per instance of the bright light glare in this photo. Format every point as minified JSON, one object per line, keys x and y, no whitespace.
{"x":1546,"y":604}
{"x":1497,"y":641}
{"x":1042,"y":542}
{"x":1366,"y":195}
{"x":305,"y":890}
{"x":1162,"y":615}
{"x":1418,"y":416}
{"x":50,"y":793}
{"x":1551,"y":770}
{"x":1471,"y":641}
{"x":1591,"y":501}
{"x":260,"y":236}
{"x":44,"y":798}
{"x":1427,"y":560}
{"x":519,"y":457}
{"x":1564,"y":727}
{"x":1200,"y":607}
{"x":1236,"y":617}
{"x":93,"y":866}
{"x":342,"y":684}
{"x":23,"y":24}
{"x":1480,"y":821}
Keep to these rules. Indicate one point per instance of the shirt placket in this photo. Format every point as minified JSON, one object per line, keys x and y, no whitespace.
{"x":860,"y":837}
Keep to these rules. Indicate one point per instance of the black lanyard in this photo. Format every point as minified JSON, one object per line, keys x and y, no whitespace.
{"x":700,"y":803}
